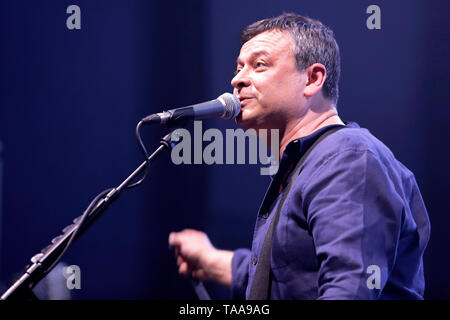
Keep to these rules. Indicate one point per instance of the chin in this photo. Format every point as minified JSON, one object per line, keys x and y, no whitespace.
{"x":243,"y":122}
{"x":246,"y":122}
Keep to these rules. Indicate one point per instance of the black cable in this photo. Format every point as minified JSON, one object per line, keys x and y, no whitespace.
{"x":82,"y":219}
{"x":79,"y":224}
{"x":88,"y":210}
{"x":71,"y":231}
{"x":144,"y":152}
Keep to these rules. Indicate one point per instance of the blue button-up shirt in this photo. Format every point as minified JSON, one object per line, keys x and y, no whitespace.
{"x":354,"y":225}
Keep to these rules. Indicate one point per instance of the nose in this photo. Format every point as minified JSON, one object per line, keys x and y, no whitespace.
{"x":240,"y":80}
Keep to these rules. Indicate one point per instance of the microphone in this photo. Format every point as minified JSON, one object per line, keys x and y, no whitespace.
{"x":226,"y":106}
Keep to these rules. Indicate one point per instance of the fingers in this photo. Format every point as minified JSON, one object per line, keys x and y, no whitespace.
{"x":190,"y":247}
{"x":198,"y":274}
{"x":184,"y":268}
{"x":174,"y":239}
{"x":180,"y":260}
{"x":177,"y":238}
{"x":176,"y":243}
{"x":189,"y":242}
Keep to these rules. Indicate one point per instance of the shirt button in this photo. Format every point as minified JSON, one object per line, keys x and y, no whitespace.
{"x":254,"y":261}
{"x":265,"y":215}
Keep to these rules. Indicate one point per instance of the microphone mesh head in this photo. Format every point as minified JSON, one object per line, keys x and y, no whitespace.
{"x":232,"y":105}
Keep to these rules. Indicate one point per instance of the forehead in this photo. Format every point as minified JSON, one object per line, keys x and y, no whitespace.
{"x":273,"y":42}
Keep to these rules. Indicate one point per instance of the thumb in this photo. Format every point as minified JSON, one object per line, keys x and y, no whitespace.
{"x":174,"y":239}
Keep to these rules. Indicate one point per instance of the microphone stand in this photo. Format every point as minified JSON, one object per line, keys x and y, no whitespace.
{"x":45,"y":261}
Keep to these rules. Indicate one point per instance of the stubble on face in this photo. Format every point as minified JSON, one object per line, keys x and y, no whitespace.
{"x":268,"y":82}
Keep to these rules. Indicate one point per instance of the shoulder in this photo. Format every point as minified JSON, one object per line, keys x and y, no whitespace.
{"x":350,"y":139}
{"x":349,"y":143}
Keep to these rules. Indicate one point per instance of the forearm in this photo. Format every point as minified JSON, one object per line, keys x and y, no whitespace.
{"x":219,"y":267}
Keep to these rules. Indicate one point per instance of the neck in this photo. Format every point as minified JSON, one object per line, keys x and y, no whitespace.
{"x":306,"y":125}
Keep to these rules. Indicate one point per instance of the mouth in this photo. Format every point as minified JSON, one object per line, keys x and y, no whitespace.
{"x":244,"y":100}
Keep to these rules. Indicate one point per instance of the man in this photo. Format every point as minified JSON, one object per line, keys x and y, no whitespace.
{"x":354,"y":225}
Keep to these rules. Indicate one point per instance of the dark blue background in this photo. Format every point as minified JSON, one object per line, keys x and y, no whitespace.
{"x":70,"y":100}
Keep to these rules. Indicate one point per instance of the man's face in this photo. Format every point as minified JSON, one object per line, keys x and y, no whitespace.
{"x":268,"y":83}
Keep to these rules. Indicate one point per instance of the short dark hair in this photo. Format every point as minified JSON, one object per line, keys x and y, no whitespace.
{"x":313,"y":43}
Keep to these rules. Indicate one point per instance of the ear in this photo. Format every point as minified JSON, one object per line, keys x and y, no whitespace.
{"x":316,"y":73}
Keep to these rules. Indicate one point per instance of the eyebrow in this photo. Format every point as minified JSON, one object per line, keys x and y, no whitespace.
{"x":253,"y":55}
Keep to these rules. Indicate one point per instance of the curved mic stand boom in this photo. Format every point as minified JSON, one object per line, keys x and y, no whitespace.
{"x":43,"y":262}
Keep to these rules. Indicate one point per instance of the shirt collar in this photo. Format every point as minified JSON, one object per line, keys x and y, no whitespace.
{"x":297,"y":147}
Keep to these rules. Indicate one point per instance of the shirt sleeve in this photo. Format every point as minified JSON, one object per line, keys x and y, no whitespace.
{"x":354,"y":212}
{"x":239,"y":273}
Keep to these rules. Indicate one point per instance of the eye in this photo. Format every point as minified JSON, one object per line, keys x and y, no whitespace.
{"x":259,"y":64}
